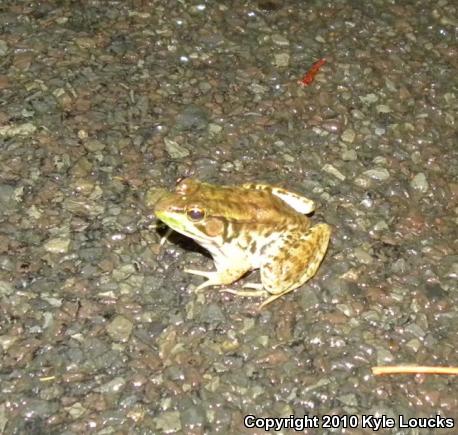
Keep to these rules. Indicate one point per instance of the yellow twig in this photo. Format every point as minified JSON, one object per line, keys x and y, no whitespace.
{"x":47,"y":378}
{"x":389,"y":370}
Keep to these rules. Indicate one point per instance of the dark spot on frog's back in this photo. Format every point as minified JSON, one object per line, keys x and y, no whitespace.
{"x":227,"y":233}
{"x":253,"y":247}
{"x":267,"y":267}
{"x":287,"y":277}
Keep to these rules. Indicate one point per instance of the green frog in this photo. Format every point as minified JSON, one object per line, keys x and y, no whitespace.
{"x":247,"y":227}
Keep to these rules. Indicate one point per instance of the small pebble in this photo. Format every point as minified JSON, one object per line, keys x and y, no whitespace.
{"x":113,"y":386}
{"x":369,"y":98}
{"x":3,"y":47}
{"x":333,"y":126}
{"x":384,"y":356}
{"x":120,"y":328}
{"x":333,"y":171}
{"x":382,"y":108}
{"x":94,"y":145}
{"x":349,"y":155}
{"x":378,"y":174}
{"x":175,"y":150}
{"x":348,"y":135}
{"x":420,"y":183}
{"x":363,"y":256}
{"x":281,"y":60}
{"x":279,"y":40}
{"x":192,"y":117}
{"x":25,"y":129}
{"x":168,"y":422}
{"x":57,"y":245}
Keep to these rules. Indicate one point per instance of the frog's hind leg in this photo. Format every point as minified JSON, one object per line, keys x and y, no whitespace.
{"x":294,"y":262}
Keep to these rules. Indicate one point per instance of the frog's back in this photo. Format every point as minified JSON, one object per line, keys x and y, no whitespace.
{"x":248,"y":206}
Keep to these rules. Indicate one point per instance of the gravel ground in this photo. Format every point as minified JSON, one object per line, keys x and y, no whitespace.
{"x":106,"y":103}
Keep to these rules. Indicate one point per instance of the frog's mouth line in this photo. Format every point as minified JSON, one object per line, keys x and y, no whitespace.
{"x":170,"y":221}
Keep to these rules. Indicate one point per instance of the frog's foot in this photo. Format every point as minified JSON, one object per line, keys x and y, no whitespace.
{"x":217,"y":277}
{"x":212,"y":278}
{"x":258,"y":290}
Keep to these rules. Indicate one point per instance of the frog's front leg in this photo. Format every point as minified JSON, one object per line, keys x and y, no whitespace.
{"x":294,"y":261}
{"x":225,"y":273}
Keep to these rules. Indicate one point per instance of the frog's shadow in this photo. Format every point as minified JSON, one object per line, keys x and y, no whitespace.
{"x":184,"y":242}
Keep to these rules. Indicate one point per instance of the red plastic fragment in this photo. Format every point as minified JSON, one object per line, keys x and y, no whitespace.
{"x":312,"y":72}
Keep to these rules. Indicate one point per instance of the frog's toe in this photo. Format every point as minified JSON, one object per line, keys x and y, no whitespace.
{"x":165,"y":237}
{"x":203,"y":273}
{"x":254,"y":285}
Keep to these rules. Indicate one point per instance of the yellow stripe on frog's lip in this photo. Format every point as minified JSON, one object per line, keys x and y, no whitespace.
{"x":169,"y":220}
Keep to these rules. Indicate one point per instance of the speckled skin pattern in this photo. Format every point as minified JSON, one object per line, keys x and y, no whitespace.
{"x":253,"y":226}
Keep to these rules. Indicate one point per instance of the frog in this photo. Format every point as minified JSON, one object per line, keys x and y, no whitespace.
{"x":248,"y":227}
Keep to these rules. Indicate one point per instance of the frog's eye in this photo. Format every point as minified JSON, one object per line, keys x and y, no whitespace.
{"x":195,"y":214}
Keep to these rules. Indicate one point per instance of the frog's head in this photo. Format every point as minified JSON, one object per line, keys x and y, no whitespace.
{"x":189,"y":211}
